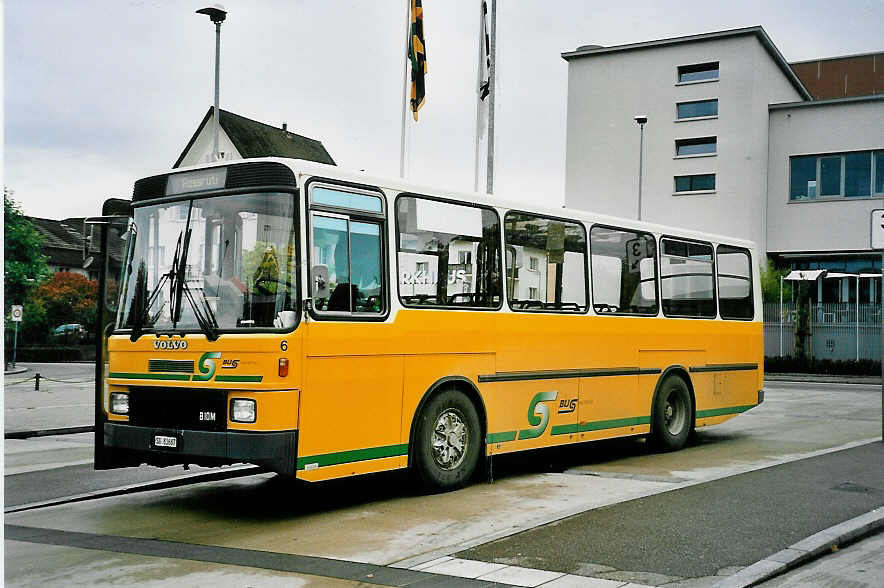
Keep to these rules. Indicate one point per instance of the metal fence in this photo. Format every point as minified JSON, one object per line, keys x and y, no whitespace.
{"x":837,"y":330}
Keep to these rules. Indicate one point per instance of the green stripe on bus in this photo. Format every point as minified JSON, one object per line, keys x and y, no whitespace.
{"x":500,"y":437}
{"x":702,"y":414}
{"x":614,"y":424}
{"x":133,"y":376}
{"x":563,"y":429}
{"x":340,"y":457}
{"x":238,"y":378}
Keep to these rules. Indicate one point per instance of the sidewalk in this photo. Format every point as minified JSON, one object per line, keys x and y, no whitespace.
{"x":821,"y":378}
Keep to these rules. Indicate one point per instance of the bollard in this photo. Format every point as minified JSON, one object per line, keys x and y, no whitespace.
{"x":37,"y":381}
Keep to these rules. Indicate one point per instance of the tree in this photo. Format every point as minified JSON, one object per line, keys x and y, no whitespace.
{"x":770,"y":283}
{"x":23,"y":265}
{"x":65,"y":298}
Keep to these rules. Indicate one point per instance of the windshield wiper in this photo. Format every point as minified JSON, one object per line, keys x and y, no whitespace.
{"x":138,"y":326}
{"x":203,"y":313}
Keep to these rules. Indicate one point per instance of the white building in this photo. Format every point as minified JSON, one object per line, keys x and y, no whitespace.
{"x":731,"y":129}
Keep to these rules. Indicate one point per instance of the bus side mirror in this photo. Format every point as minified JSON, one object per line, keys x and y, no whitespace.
{"x":320,"y":281}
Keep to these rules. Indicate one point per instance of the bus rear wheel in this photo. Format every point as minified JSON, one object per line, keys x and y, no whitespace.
{"x":447,"y":441}
{"x":672,"y":414}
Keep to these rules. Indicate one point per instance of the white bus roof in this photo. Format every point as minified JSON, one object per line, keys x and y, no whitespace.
{"x":310,"y":168}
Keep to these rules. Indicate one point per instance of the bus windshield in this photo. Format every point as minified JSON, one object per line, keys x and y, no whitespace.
{"x":212,"y":264}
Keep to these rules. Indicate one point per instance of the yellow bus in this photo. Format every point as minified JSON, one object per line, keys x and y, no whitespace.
{"x":321,"y":324}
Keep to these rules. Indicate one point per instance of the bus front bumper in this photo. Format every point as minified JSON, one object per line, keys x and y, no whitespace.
{"x":276,"y":450}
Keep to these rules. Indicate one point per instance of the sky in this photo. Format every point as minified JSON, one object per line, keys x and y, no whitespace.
{"x":98,"y":93}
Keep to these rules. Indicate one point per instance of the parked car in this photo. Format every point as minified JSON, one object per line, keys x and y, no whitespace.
{"x":69,"y":334}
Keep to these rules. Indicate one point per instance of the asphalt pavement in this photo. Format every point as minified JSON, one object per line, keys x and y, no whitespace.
{"x":700,"y":530}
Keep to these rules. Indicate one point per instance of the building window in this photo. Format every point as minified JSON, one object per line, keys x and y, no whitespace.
{"x":464,"y":257}
{"x":699,"y":72}
{"x":802,"y":178}
{"x":879,"y":172}
{"x":698,"y":146}
{"x":532,"y":294}
{"x":857,"y":174}
{"x":532,"y":264}
{"x":840,"y":175}
{"x":697,"y":108}
{"x":695,"y":183}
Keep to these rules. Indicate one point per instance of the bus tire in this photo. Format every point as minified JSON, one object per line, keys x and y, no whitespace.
{"x":447,"y":443}
{"x":672,"y":415}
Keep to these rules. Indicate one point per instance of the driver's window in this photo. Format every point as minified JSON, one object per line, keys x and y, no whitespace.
{"x":347,"y":273}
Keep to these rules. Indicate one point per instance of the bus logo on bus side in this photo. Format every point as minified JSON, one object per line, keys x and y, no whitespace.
{"x":538,"y":413}
{"x":566,"y":406}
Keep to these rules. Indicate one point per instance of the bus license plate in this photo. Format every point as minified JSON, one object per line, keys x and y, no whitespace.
{"x":165,"y":441}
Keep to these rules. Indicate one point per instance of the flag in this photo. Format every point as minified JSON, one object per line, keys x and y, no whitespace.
{"x":485,"y":61}
{"x":417,"y":54}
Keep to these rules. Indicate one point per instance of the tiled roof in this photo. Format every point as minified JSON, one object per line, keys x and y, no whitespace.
{"x":256,"y":139}
{"x":63,"y":241}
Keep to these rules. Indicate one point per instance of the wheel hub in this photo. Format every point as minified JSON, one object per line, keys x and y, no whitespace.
{"x":450,"y":439}
{"x":675,"y":413}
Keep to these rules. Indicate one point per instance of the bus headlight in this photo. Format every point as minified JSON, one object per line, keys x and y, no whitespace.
{"x":119,"y":403}
{"x":243,"y":410}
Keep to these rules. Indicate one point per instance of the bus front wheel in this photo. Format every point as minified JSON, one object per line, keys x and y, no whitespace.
{"x":672,"y":414}
{"x":447,"y":441}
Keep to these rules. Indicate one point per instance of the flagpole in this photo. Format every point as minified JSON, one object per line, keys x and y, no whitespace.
{"x":479,"y":102}
{"x":489,"y":177}
{"x":405,"y":89}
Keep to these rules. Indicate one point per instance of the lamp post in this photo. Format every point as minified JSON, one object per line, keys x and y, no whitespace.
{"x":217,"y":14}
{"x":641,"y":119}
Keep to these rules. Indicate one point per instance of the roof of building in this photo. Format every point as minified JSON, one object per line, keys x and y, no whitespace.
{"x":256,"y":139}
{"x":757,"y":31}
{"x":842,"y":76}
{"x":63,"y":241}
{"x":831,"y":101}
{"x":67,"y":233}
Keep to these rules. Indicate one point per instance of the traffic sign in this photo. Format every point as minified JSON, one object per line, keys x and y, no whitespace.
{"x":17,"y":313}
{"x":878,"y":229}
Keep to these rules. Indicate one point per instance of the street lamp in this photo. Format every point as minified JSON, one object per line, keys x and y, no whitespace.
{"x":641,"y":119}
{"x":217,"y":14}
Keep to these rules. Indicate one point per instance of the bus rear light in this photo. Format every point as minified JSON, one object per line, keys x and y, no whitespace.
{"x":243,"y":410}
{"x":119,"y":403}
{"x":283,"y":367}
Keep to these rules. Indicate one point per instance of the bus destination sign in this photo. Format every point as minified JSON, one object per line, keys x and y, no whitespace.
{"x":198,"y":181}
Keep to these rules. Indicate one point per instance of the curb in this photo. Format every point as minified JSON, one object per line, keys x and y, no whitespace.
{"x":15,"y":370}
{"x":815,"y":546}
{"x":49,"y":432}
{"x":821,"y":379}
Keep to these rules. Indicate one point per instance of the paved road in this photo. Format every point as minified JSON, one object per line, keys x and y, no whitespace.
{"x":377,"y":519}
{"x":700,"y":530}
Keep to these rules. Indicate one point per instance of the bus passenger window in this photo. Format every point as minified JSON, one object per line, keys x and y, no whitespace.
{"x":449,"y":254}
{"x":624,"y":271}
{"x":348,"y":249}
{"x":686,"y":278}
{"x":554,"y":277}
{"x":735,"y":299}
